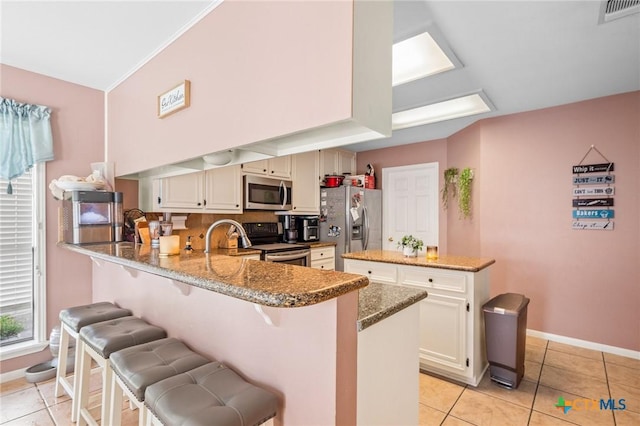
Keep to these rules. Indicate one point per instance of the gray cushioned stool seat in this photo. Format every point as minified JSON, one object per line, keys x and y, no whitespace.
{"x":110,"y":336}
{"x":79,"y":316}
{"x":210,"y":395}
{"x":142,"y":365}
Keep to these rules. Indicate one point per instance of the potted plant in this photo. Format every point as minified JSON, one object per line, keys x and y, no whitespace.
{"x":410,"y":245}
{"x":464,"y":192}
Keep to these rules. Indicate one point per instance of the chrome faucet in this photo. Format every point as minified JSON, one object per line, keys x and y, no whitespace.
{"x":244,"y":239}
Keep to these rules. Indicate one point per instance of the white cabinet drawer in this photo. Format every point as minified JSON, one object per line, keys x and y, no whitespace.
{"x":375,"y":271}
{"x":328,"y":264}
{"x":323,"y":253}
{"x":433,"y":278}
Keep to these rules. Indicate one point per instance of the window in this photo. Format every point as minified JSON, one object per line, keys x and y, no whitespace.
{"x":22,"y":255}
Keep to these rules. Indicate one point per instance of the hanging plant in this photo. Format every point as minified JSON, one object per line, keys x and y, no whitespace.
{"x":450,"y":176}
{"x":464,"y":192}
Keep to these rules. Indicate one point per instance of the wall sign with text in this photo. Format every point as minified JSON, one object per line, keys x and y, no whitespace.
{"x":175,"y":99}
{"x":593,"y":195}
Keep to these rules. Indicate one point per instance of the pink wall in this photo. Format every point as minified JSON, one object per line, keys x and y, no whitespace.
{"x":405,"y":155}
{"x":77,"y":121}
{"x":250,"y":65}
{"x":582,"y":284}
{"x":463,"y":150}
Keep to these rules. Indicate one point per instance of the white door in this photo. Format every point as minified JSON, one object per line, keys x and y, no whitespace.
{"x":410,"y":204}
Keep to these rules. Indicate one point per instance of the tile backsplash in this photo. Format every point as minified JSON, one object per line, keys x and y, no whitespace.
{"x":197,"y":225}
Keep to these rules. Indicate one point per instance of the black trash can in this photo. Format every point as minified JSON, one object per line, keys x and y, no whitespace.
{"x":505,"y":322}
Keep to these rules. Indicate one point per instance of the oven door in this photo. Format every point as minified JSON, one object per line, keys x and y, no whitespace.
{"x":292,"y":257}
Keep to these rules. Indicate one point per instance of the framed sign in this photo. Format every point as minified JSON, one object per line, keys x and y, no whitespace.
{"x":593,"y":214}
{"x":594,"y":180}
{"x":594,"y":190}
{"x":596,"y":225}
{"x":175,"y":99}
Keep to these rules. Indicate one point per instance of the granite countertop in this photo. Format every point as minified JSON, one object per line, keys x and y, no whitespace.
{"x":458,"y":263}
{"x":378,"y":301}
{"x":225,"y":271}
{"x":318,"y":244}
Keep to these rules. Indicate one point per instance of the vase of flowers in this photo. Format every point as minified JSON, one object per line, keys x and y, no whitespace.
{"x":410,"y":245}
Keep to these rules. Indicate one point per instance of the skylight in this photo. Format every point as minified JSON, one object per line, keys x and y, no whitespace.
{"x":440,"y":111}
{"x":417,"y":57}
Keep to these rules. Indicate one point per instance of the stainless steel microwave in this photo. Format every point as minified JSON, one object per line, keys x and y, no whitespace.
{"x":263,"y":193}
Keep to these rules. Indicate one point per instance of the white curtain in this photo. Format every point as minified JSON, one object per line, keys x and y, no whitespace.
{"x":25,"y":138}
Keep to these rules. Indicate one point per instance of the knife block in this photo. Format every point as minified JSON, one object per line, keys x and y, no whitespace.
{"x":228,"y":243}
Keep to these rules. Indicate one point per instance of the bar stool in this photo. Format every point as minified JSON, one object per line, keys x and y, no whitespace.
{"x":137,"y":367}
{"x":209,"y":395}
{"x":71,"y":321}
{"x":97,"y":342}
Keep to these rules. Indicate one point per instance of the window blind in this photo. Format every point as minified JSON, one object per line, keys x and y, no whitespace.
{"x":17,"y":213}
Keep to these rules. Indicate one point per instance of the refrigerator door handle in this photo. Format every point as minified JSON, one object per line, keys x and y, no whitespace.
{"x":365,"y":222}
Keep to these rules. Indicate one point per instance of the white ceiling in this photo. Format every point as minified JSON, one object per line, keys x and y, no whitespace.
{"x":524,"y":55}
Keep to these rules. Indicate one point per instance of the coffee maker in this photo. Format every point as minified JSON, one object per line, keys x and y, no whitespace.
{"x":289,"y":231}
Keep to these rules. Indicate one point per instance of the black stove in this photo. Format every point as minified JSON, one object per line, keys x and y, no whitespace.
{"x":265,"y":236}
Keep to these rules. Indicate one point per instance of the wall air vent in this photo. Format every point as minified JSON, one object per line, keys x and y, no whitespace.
{"x":615,"y":9}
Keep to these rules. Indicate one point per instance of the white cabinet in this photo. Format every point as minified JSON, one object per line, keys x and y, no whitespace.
{"x":305,"y":175}
{"x":452,"y":340}
{"x":212,"y":191}
{"x":279,"y":167}
{"x":337,"y":162}
{"x":148,"y":194}
{"x":182,"y":192}
{"x":323,"y":258}
{"x":376,"y":271}
{"x":223,"y":189}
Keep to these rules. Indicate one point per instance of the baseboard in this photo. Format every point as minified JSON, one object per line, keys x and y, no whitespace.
{"x":12,"y":375}
{"x":585,"y":344}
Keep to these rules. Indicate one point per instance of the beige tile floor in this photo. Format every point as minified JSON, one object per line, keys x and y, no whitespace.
{"x":551,"y":370}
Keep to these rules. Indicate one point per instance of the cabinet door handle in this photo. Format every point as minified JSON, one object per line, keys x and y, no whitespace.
{"x":430,"y":280}
{"x":369,"y":272}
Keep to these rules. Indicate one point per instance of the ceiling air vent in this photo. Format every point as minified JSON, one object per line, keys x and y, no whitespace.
{"x":615,"y":9}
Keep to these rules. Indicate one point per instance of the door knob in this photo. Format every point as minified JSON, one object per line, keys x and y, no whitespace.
{"x":390,"y":239}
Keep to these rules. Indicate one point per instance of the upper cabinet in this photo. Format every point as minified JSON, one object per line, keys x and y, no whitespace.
{"x":182,"y":192}
{"x":296,"y":86}
{"x":305,"y":197}
{"x":223,"y":190}
{"x":337,"y":162}
{"x":212,"y":191}
{"x":278,"y":167}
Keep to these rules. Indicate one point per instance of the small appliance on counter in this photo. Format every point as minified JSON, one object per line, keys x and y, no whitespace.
{"x":289,"y":230}
{"x":92,"y":217}
{"x":308,"y":228}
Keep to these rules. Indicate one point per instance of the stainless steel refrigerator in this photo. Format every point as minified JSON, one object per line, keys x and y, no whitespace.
{"x":351,"y":217}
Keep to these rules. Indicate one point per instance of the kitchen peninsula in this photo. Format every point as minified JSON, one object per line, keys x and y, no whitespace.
{"x":294,"y":330}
